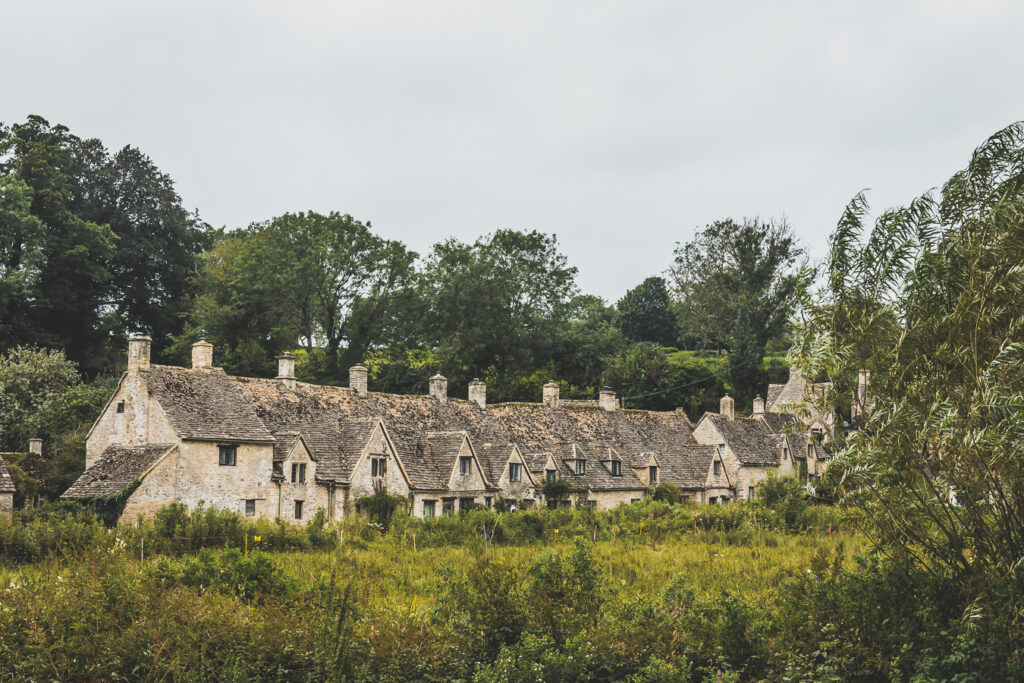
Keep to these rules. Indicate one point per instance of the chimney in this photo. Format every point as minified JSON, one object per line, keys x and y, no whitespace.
{"x":357,"y":379}
{"x":478,"y":393}
{"x":286,"y":370}
{"x":606,"y":399}
{"x":35,"y":446}
{"x":794,"y":372}
{"x":202,"y":355}
{"x":138,"y":352}
{"x":550,"y":395}
{"x":727,"y":407}
{"x":858,"y":407}
{"x":758,"y":405}
{"x":439,"y":388}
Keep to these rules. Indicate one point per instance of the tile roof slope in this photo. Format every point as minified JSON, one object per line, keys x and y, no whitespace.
{"x":689,"y":468}
{"x":441,"y":449}
{"x":777,"y":422}
{"x":773,"y":393}
{"x":116,"y":468}
{"x":751,"y":440}
{"x":493,"y":457}
{"x":6,"y":483}
{"x":796,"y":391}
{"x":204,"y":404}
{"x":534,"y":427}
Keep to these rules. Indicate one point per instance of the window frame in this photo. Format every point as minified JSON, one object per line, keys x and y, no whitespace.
{"x":224,"y":450}
{"x":550,"y":475}
{"x":120,"y":408}
{"x":616,"y":468}
{"x":652,"y":474}
{"x":515,"y":472}
{"x":717,"y":468}
{"x":298,"y":508}
{"x":250,"y":507}
{"x":430,"y":505}
{"x":465,"y":465}
{"x":581,"y":467}
{"x":378,"y":466}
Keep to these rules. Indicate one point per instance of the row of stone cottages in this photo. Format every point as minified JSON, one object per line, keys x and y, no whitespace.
{"x":283,"y":448}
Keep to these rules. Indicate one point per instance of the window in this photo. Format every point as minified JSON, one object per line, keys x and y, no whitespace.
{"x":810,"y":451}
{"x":721,"y":450}
{"x":616,"y":468}
{"x":718,"y":467}
{"x":120,"y":406}
{"x":581,"y":467}
{"x":250,"y":507}
{"x":550,"y":475}
{"x":298,"y":509}
{"x":428,"y":509}
{"x":465,"y":503}
{"x":652,"y":474}
{"x":750,"y":493}
{"x":299,"y":473}
{"x":447,"y":506}
{"x":785,"y":452}
{"x":378,"y":467}
{"x":465,"y":465}
{"x":487,"y":502}
{"x":227,"y":456}
{"x":515,"y":471}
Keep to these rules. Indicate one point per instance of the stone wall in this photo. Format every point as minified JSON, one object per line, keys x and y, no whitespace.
{"x":6,"y":504}
{"x":200,"y":477}
{"x":362,"y":476}
{"x":606,"y":500}
{"x":156,"y":490}
{"x":142,"y":422}
{"x":516,"y":490}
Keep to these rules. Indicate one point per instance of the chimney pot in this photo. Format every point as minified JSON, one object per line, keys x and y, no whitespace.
{"x":286,"y":370}
{"x":550,"y":395}
{"x":439,"y":388}
{"x":357,"y":379}
{"x":606,"y":399}
{"x":727,"y":407}
{"x":202,"y":355}
{"x":138,"y":352}
{"x":35,"y":446}
{"x":478,"y":392}
{"x":758,"y":405}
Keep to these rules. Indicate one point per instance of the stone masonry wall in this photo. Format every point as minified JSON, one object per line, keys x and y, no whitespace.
{"x":201,"y":478}
{"x":156,"y":490}
{"x":142,"y":422}
{"x":6,"y":504}
{"x":362,"y":479}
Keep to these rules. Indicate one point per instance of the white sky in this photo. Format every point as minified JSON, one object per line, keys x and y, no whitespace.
{"x":620,"y":126}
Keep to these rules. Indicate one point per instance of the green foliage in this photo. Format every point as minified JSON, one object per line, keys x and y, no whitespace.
{"x":29,"y":377}
{"x":380,"y":507}
{"x":496,"y":307}
{"x":667,"y":493}
{"x":645,"y":314}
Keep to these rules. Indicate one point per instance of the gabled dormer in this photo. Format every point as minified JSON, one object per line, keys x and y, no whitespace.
{"x":612,"y":462}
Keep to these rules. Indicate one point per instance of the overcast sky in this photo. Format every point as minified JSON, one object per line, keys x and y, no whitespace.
{"x":621,"y":127}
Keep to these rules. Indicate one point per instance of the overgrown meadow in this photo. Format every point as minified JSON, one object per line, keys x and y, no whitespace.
{"x":646,"y":592}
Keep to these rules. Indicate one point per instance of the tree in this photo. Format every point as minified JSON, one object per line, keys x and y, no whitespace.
{"x":496,"y":306}
{"x":21,"y":259}
{"x":645,"y":313}
{"x":29,"y":377}
{"x":746,"y":356}
{"x":932,"y":303}
{"x":644,"y":378}
{"x":590,"y":336}
{"x":731,"y":267}
{"x":326,"y":282}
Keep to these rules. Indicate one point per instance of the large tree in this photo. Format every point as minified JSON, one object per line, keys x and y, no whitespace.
{"x":497,"y":306}
{"x":930,"y":299}
{"x":110,"y":249}
{"x":645,"y":313}
{"x":325,"y":282}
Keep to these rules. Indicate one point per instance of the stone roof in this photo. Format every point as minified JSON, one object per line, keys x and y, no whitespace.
{"x":204,"y":404}
{"x":116,"y":468}
{"x":493,"y":457}
{"x":6,"y":483}
{"x":777,"y":422}
{"x":750,"y":439}
{"x":794,"y":392}
{"x":689,"y":471}
{"x":440,"y":449}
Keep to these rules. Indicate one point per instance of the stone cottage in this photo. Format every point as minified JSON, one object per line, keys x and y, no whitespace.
{"x":281,"y":448}
{"x":6,"y":489}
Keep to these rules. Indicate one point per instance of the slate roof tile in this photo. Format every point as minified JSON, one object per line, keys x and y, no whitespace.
{"x":116,"y":468}
{"x":6,"y":483}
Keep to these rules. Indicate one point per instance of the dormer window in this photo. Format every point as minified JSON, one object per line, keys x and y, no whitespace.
{"x":785,"y":452}
{"x":515,"y":471}
{"x":378,"y":467}
{"x":465,"y":465}
{"x":550,"y":475}
{"x":616,"y":468}
{"x":298,"y":473}
{"x":718,"y":467}
{"x":652,"y":474}
{"x":120,"y":407}
{"x":581,"y":467}
{"x":721,"y":450}
{"x":810,"y":450}
{"x":227,"y":456}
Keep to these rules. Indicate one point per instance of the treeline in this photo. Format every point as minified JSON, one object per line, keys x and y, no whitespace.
{"x":95,"y":245}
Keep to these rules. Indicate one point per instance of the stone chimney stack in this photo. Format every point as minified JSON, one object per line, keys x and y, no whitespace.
{"x":439,"y":388}
{"x":551,"y":394}
{"x":727,"y":407}
{"x":35,"y":446}
{"x":357,"y":379}
{"x":286,"y":370}
{"x":758,"y":405}
{"x":478,"y":393}
{"x":794,"y":372}
{"x":202,"y":355}
{"x":606,"y":399}
{"x":138,"y":352}
{"x":859,"y":405}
